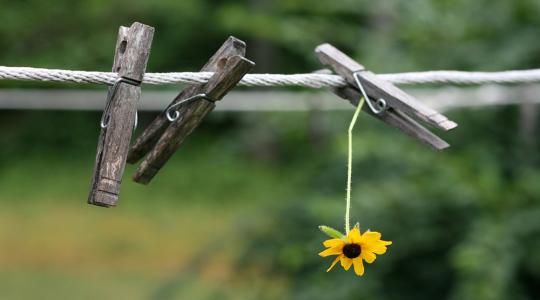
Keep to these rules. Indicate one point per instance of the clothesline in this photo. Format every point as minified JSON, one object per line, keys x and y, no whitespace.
{"x":311,"y":80}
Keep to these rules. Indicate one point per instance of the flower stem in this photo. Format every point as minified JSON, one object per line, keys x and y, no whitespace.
{"x":349,"y":166}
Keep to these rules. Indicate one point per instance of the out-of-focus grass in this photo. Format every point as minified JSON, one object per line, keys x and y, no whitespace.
{"x":55,"y":246}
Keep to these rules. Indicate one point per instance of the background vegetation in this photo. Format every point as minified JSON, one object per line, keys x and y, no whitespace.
{"x":234,"y":215}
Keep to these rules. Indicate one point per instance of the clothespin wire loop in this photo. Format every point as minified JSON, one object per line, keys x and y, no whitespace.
{"x":173,"y":108}
{"x":378,"y":107}
{"x":110,"y":95}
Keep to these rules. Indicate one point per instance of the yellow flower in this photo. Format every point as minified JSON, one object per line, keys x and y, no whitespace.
{"x":354,"y":248}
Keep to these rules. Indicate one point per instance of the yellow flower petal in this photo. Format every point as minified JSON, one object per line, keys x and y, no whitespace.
{"x":346,"y":262}
{"x":354,"y":236}
{"x":368,"y":256}
{"x":331,"y":251}
{"x":333,"y":243}
{"x":333,"y":264}
{"x":371,"y":236}
{"x":358,"y":266}
{"x":377,"y":247}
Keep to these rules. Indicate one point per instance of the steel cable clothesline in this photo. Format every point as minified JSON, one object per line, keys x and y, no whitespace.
{"x":311,"y":80}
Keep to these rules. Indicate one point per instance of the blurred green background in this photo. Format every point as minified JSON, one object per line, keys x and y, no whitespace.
{"x":234,"y":214}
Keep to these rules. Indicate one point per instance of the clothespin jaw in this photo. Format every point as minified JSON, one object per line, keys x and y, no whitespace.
{"x":397,"y":104}
{"x":119,"y":117}
{"x":397,"y":119}
{"x":192,"y":105}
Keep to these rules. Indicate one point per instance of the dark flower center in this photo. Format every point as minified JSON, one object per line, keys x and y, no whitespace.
{"x":352,"y":250}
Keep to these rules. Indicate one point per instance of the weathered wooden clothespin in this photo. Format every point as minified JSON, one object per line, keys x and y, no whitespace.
{"x":120,"y":114}
{"x":384,"y":100}
{"x":168,"y":131}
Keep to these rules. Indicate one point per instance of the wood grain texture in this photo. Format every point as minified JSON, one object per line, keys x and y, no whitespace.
{"x":377,"y":89}
{"x":137,"y":51}
{"x":122,"y":36}
{"x":396,"y":119}
{"x":216,"y":88}
{"x":131,"y":55}
{"x":149,"y":137}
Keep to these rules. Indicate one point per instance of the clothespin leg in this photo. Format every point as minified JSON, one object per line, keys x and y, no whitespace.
{"x":396,"y":119}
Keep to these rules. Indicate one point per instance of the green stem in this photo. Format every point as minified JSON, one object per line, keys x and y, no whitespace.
{"x":349,"y":165}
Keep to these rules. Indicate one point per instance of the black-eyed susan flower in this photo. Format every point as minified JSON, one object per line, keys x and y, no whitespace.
{"x":353,"y":249}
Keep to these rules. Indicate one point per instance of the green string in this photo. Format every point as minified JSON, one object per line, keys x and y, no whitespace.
{"x":349,"y":165}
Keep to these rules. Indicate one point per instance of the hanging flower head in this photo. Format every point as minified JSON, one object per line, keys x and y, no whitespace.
{"x":353,"y":249}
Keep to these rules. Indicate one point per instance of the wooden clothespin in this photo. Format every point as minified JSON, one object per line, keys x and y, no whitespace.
{"x":168,"y":131}
{"x":384,"y":100}
{"x":120,"y":114}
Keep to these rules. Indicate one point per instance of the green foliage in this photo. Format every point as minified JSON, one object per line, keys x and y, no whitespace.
{"x":388,"y":36}
{"x":465,"y":222}
{"x":463,"y":225}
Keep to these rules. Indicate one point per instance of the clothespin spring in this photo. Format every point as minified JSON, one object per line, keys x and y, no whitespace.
{"x":110,"y":95}
{"x":378,"y":107}
{"x":173,"y":117}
